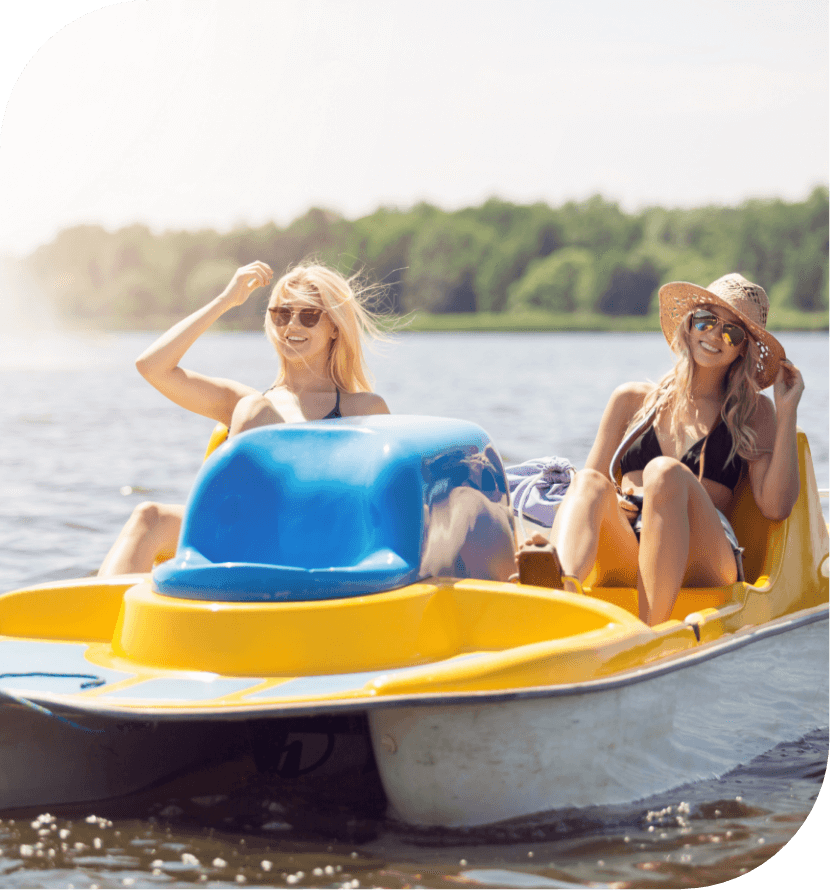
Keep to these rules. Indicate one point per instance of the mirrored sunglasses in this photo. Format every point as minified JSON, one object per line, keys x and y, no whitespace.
{"x":732,"y":334}
{"x":281,"y":315}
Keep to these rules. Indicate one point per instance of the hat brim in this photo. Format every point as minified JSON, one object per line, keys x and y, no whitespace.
{"x":678,"y":298}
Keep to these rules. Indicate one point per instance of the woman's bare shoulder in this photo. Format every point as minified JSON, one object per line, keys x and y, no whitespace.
{"x":625,"y":402}
{"x":630,"y":396}
{"x":357,"y":403}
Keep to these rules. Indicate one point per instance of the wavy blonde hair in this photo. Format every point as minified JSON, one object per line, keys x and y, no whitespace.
{"x":739,"y":402}
{"x":344,"y":301}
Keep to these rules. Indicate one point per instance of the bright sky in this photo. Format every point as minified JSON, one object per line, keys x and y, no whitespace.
{"x":193,"y":113}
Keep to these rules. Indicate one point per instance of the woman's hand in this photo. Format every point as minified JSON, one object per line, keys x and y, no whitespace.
{"x":245,"y":281}
{"x":787,"y":389}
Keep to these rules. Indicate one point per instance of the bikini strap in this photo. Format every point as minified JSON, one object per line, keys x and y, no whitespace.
{"x":627,"y":442}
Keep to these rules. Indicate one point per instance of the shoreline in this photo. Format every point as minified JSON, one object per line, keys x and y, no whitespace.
{"x":566,"y":323}
{"x":493,"y":322}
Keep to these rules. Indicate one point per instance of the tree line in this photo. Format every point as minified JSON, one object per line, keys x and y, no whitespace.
{"x":587,"y":257}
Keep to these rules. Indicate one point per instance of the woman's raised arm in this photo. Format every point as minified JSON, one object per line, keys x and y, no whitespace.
{"x":212,"y":397}
{"x":774,"y":476}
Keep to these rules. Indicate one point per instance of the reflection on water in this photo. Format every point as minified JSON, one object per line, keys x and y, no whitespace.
{"x":84,"y":439}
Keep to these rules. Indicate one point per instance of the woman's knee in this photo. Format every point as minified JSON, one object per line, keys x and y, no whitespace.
{"x":589,"y":496}
{"x":592,"y":484}
{"x":666,"y":479}
{"x":151,"y":515}
{"x":146,"y":513}
{"x":591,"y":490}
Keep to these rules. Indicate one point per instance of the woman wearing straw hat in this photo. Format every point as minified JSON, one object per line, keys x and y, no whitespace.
{"x":681,"y":446}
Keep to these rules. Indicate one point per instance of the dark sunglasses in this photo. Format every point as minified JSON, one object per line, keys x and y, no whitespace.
{"x":732,"y":334}
{"x":281,"y":316}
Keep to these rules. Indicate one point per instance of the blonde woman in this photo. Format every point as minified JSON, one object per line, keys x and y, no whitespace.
{"x":682,"y":445}
{"x":317,"y":323}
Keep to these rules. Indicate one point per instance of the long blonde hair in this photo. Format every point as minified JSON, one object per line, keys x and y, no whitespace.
{"x":739,"y":402}
{"x":344,"y":300}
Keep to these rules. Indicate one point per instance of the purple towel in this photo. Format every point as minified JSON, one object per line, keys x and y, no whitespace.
{"x":538,"y":486}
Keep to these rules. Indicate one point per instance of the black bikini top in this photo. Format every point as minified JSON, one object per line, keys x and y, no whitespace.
{"x":715,"y":467}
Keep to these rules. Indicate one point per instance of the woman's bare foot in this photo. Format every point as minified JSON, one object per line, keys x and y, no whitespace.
{"x":539,"y":564}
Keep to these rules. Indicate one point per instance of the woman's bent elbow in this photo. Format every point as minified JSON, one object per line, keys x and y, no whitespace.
{"x":780,"y":511}
{"x":775,"y":514}
{"x":143,"y":367}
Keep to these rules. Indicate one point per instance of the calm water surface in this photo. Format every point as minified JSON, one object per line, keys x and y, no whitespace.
{"x":84,"y":439}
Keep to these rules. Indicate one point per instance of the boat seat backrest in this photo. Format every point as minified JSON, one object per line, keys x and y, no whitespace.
{"x":765,"y":540}
{"x":305,"y":499}
{"x":218,"y":437}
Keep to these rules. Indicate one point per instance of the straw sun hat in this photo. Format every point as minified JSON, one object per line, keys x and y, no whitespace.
{"x":747,"y":300}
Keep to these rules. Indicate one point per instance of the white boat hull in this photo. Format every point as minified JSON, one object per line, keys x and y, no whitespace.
{"x":607,"y":742}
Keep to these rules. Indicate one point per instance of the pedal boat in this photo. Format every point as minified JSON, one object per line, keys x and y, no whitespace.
{"x":358,"y":568}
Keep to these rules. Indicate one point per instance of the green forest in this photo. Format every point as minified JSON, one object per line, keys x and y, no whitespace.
{"x":496,"y":266}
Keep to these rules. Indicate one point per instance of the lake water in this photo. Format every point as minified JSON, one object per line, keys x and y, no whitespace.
{"x":84,"y":439}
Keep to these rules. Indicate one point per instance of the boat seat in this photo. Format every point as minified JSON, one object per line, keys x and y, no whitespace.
{"x":344,"y":507}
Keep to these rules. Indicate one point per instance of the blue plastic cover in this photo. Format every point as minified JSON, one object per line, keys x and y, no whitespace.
{"x":343,"y":507}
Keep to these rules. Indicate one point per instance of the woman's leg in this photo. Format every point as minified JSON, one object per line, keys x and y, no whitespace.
{"x":251,"y":412}
{"x":682,"y":541}
{"x":587,"y":521}
{"x":151,"y":532}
